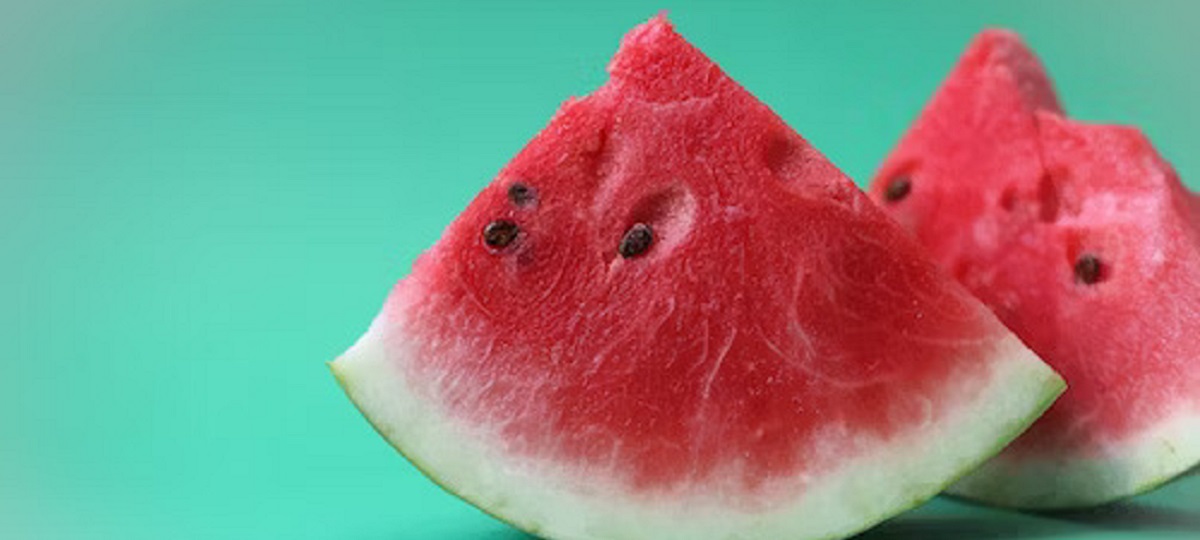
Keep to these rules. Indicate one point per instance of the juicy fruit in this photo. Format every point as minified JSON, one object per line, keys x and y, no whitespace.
{"x":670,"y":317}
{"x":1084,"y":242}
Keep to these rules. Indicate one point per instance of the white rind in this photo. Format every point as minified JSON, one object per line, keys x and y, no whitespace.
{"x":1147,"y":460}
{"x":554,"y":502}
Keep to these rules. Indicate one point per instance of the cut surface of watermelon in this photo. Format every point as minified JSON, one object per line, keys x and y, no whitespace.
{"x":1083,"y":241}
{"x":670,"y":317}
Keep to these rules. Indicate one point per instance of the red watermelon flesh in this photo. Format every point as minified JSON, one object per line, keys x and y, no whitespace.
{"x":670,"y":317}
{"x":1082,"y":239}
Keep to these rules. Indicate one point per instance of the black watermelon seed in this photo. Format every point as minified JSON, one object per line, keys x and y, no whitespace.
{"x":1088,"y":269}
{"x":521,"y":194}
{"x":636,"y":241}
{"x":897,"y":189}
{"x":500,"y":233}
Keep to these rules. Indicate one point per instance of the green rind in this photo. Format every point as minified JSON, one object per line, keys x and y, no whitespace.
{"x":1039,"y":386}
{"x":1142,"y":489}
{"x":421,"y":467}
{"x":1083,"y":484}
{"x":1052,"y":388}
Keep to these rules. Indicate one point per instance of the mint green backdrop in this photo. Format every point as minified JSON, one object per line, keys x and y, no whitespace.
{"x":201,"y":202}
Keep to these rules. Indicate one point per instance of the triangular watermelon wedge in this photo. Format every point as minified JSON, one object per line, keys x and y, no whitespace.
{"x":669,"y":317}
{"x":1084,"y":242}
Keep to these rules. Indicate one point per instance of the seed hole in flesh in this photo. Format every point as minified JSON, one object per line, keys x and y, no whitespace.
{"x":1088,"y":269}
{"x":500,"y":233}
{"x":521,"y":194}
{"x":897,"y":189}
{"x":636,"y":241}
{"x":781,"y":155}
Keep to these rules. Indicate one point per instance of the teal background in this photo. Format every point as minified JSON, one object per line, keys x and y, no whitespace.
{"x":202,"y":202}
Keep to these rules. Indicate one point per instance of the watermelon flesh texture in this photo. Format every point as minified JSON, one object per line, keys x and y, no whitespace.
{"x":780,"y":361}
{"x":1083,"y":241}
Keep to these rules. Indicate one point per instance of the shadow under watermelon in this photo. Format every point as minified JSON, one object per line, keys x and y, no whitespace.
{"x":1134,"y":516}
{"x":961,"y":527}
{"x":1118,"y":517}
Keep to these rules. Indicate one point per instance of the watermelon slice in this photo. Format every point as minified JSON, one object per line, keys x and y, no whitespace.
{"x":669,"y":317}
{"x":1081,"y":238}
